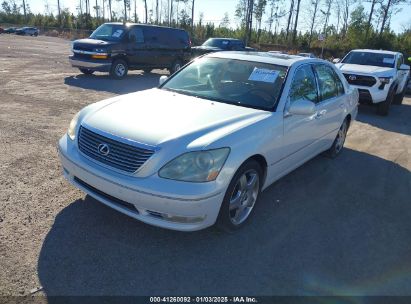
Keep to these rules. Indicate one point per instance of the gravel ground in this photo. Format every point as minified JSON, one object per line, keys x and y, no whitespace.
{"x":332,"y":227}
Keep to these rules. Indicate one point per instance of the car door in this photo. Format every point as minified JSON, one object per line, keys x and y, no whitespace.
{"x":330,"y":109}
{"x":300,"y":131}
{"x":137,"y":51}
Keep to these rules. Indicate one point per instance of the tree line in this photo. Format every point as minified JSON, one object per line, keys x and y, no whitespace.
{"x":333,"y":25}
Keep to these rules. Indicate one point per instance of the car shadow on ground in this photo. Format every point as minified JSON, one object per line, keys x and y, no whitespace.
{"x":398,"y":119}
{"x":332,"y":227}
{"x":102,"y":82}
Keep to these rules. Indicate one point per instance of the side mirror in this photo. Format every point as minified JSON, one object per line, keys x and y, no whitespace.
{"x":162,"y":79}
{"x":336,"y":60}
{"x":404,"y":67}
{"x":302,"y":107}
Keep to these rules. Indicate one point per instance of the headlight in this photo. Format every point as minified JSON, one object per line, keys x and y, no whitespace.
{"x":100,"y":51}
{"x":72,"y":127}
{"x":198,"y":166}
{"x":385,"y":80}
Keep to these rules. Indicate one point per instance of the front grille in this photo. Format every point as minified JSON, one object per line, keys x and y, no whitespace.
{"x":82,"y":47}
{"x":121,"y":156}
{"x":112,"y":199}
{"x":361,"y":80}
{"x":82,"y":56}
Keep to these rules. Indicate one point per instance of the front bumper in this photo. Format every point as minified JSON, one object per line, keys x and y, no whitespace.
{"x":152,"y":200}
{"x":99,"y":65}
{"x":372,"y":95}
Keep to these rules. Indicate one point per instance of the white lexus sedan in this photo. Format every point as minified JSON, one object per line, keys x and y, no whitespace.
{"x":200,"y":148}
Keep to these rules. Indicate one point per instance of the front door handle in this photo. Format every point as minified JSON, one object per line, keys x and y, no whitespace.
{"x":320,"y":114}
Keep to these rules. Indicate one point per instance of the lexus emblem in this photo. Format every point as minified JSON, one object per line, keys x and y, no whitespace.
{"x":352,"y":77}
{"x":103,"y":149}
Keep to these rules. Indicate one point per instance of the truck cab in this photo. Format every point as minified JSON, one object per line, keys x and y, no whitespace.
{"x":380,"y":76}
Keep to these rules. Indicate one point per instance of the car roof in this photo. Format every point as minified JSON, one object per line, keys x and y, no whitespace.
{"x":376,"y":51}
{"x":221,"y":38}
{"x":146,"y":25}
{"x":264,"y":57}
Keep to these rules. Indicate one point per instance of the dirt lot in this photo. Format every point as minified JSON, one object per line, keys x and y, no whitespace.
{"x":338,"y":226}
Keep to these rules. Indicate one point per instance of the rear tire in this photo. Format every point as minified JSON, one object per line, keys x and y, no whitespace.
{"x":119,"y":69}
{"x":147,"y":71}
{"x":384,"y":107}
{"x":241,"y":197}
{"x":339,"y":141}
{"x":86,"y":71}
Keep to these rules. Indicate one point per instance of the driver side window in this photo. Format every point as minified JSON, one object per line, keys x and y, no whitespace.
{"x":304,"y":85}
{"x":136,"y":35}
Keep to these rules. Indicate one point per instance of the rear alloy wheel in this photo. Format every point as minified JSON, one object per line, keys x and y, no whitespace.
{"x":339,"y":141}
{"x":86,"y":71}
{"x":119,"y":69}
{"x":241,"y":197}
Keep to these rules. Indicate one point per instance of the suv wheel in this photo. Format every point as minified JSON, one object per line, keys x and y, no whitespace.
{"x":241,"y":197}
{"x":399,"y":97}
{"x":175,"y":67}
{"x":339,"y":141}
{"x":119,"y":69}
{"x":86,"y":71}
{"x":147,"y":71}
{"x":383,"y":107}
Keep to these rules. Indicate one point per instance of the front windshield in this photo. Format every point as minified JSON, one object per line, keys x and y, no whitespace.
{"x":369,"y":58}
{"x":220,"y":43}
{"x":109,"y":32}
{"x":244,"y":83}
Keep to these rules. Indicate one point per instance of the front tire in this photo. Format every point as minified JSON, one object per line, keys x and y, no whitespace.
{"x":175,"y":67}
{"x":119,"y":69}
{"x":399,"y":97}
{"x":241,"y":197}
{"x":339,"y":141}
{"x":384,"y":107}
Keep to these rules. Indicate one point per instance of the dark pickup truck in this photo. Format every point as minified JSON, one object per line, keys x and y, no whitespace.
{"x":117,"y":48}
{"x":218,"y":45}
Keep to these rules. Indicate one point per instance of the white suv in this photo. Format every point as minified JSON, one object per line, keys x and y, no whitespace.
{"x":380,"y":76}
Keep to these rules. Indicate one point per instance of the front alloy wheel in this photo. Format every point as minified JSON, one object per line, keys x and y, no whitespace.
{"x":241,"y":197}
{"x":244,"y":196}
{"x":119,"y":69}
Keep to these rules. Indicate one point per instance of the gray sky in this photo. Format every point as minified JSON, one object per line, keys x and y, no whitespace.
{"x":214,"y":10}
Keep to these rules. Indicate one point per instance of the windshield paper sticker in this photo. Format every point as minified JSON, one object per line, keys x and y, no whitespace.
{"x":263,"y":75}
{"x":388,"y":60}
{"x":117,"y":33}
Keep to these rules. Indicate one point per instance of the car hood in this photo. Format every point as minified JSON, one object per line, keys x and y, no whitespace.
{"x":92,"y":42}
{"x":156,"y":117}
{"x":365,"y":69}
